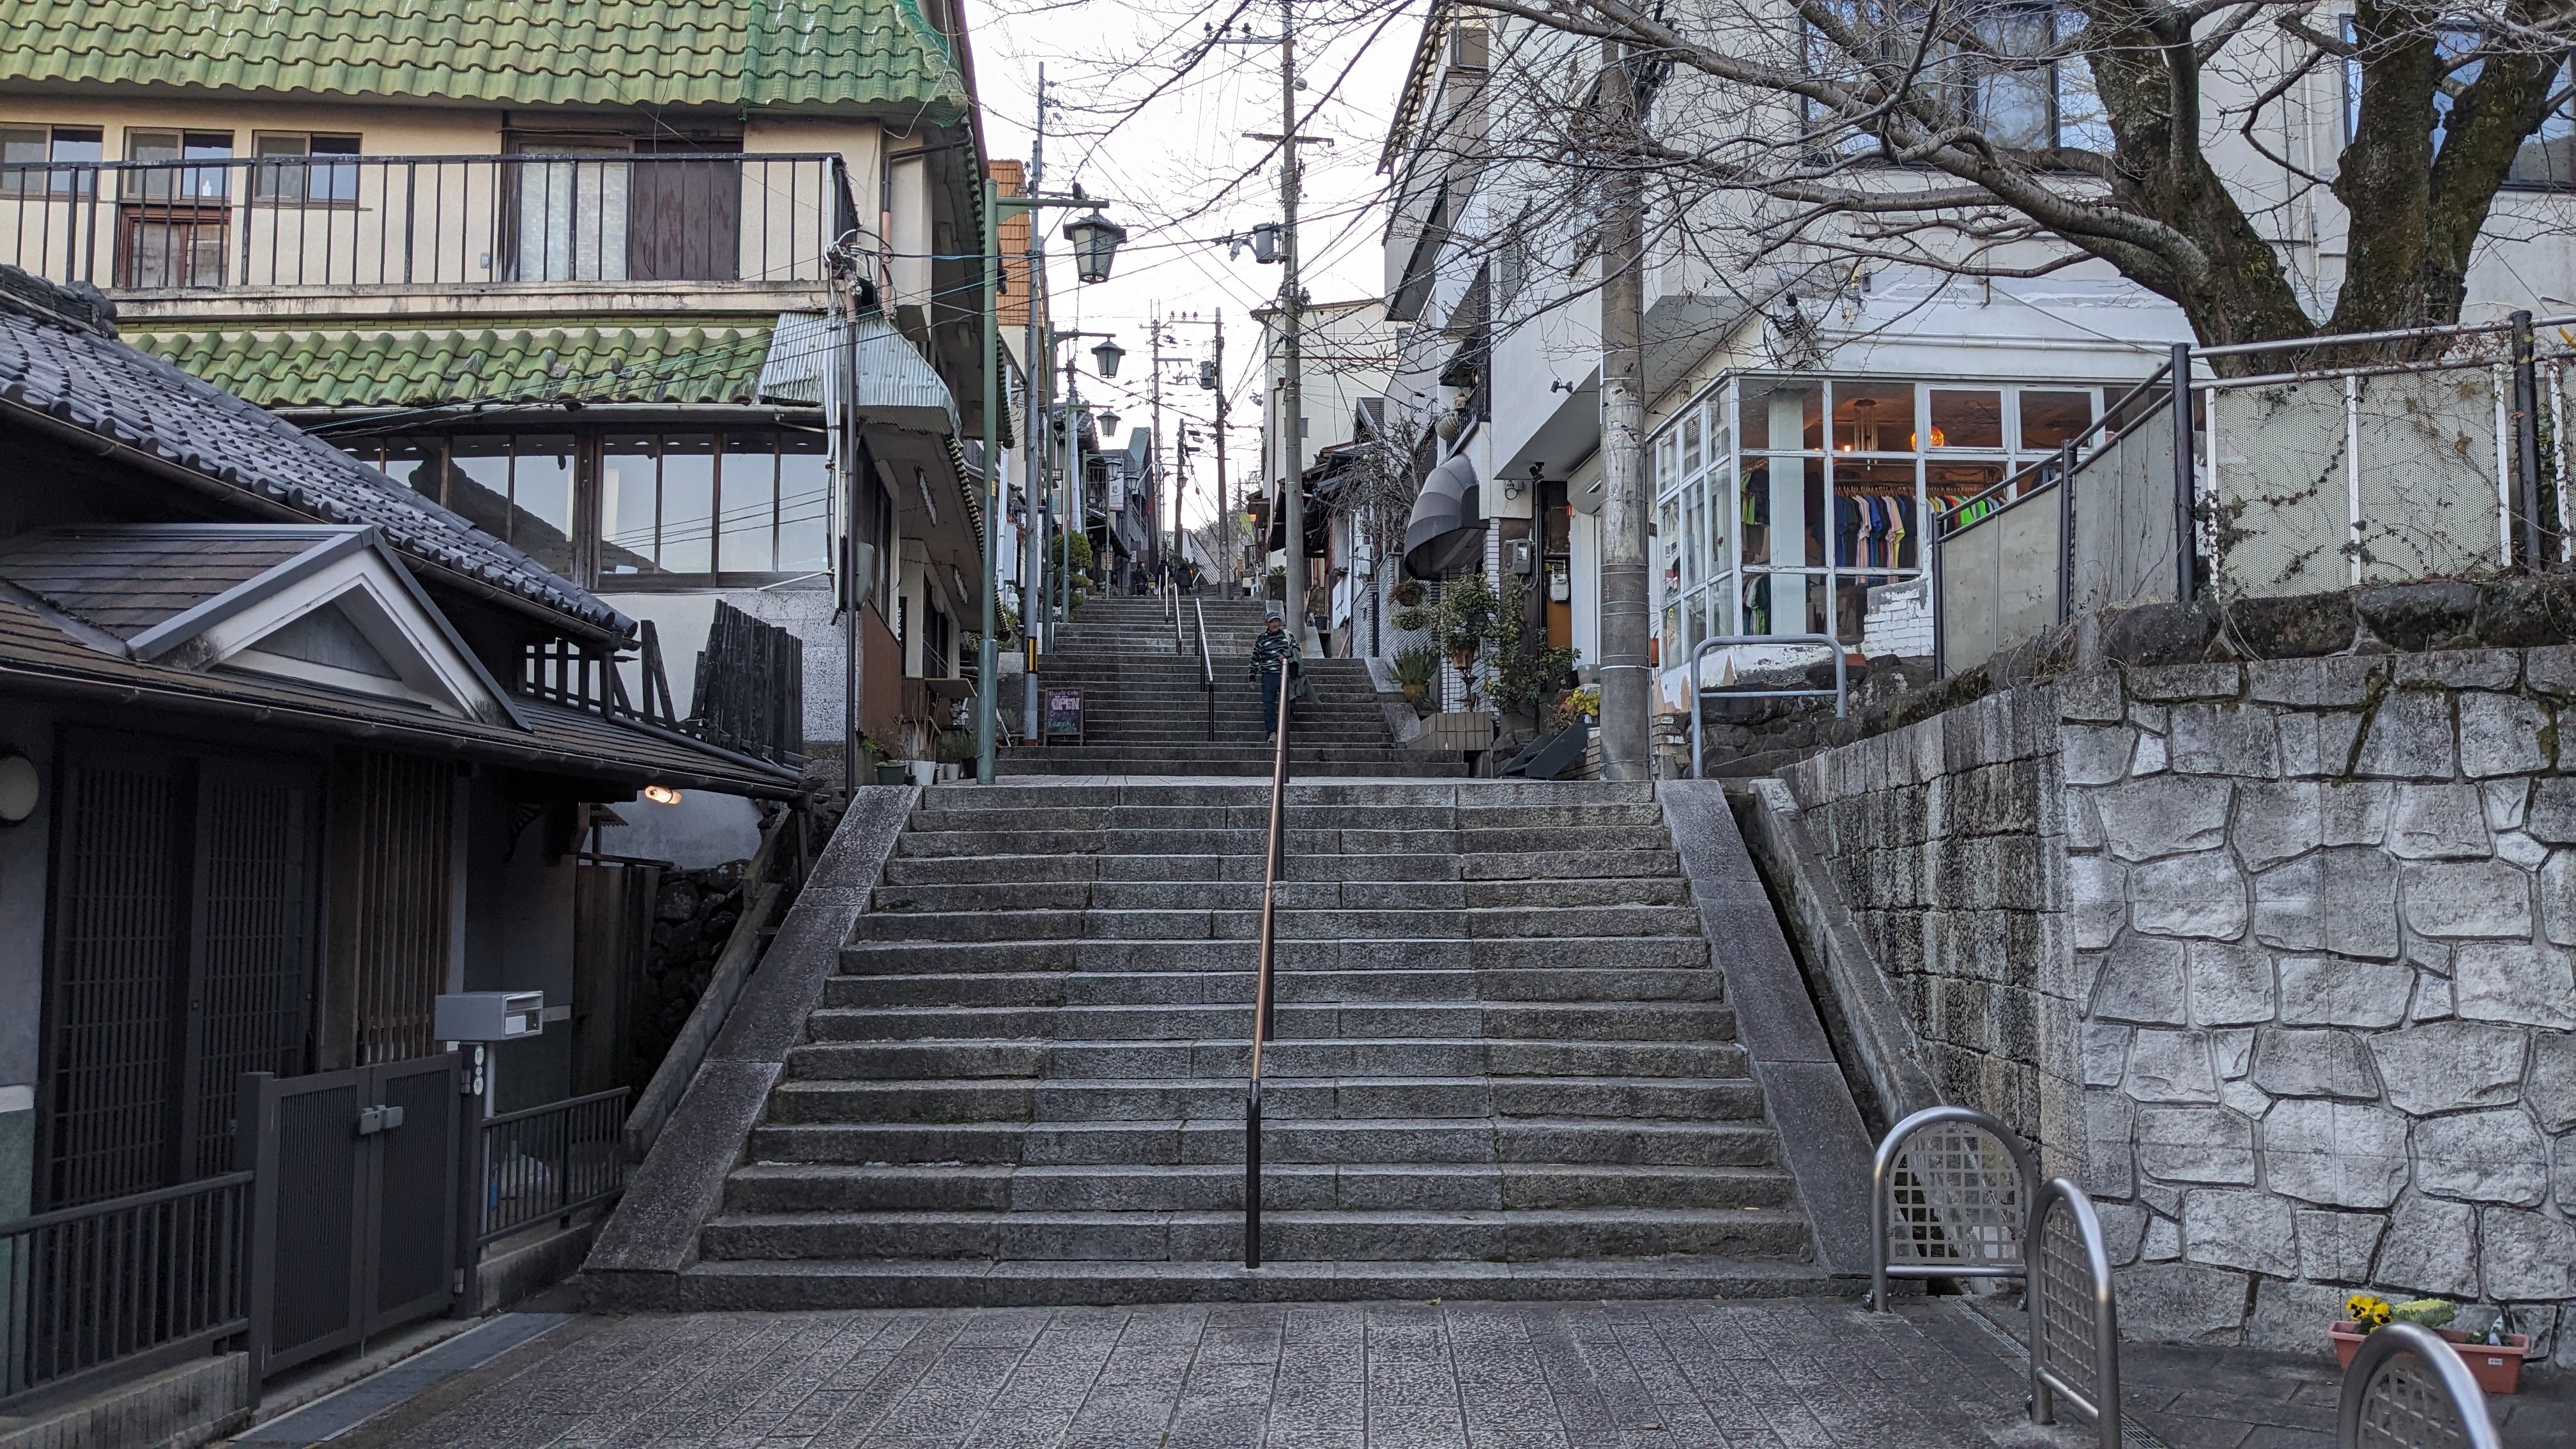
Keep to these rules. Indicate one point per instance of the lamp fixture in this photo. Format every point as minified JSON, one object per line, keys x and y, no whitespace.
{"x":661,"y":794}
{"x":19,"y":787}
{"x":1107,"y":355}
{"x":1095,"y":241}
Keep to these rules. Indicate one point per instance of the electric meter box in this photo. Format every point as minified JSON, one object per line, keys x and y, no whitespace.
{"x":489,"y":1015}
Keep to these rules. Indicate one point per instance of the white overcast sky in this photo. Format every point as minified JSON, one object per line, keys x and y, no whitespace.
{"x":1175,"y":164}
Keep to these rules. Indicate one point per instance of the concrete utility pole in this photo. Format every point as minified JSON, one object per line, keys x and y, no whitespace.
{"x":1154,"y":451}
{"x":1069,"y":494}
{"x":1292,"y":492}
{"x":988,"y":658}
{"x":1224,"y":500}
{"x":1626,"y":688}
{"x":1034,"y":372}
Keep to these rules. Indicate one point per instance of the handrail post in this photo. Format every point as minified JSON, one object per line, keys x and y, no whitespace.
{"x":1841,"y":690}
{"x":2184,"y":580}
{"x":1274,"y":849}
{"x":2065,"y":530}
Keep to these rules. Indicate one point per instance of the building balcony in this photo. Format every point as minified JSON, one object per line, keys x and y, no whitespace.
{"x":287,"y":234}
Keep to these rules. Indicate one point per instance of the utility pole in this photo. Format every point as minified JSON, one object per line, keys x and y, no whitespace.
{"x":1626,"y":692}
{"x":1034,"y":372}
{"x":988,"y":658}
{"x":1224,"y":500}
{"x":1292,"y":500}
{"x":1154,"y":452}
{"x":1069,"y":493}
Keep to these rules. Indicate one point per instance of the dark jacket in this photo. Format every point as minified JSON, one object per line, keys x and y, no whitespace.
{"x":1270,"y":648}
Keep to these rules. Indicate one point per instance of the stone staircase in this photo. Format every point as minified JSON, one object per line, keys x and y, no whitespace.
{"x":1503,"y":1064}
{"x":1146,"y":709}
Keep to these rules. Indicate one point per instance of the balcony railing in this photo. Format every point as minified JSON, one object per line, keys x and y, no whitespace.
{"x":374,"y":221}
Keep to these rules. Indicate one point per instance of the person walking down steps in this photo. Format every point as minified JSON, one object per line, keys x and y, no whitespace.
{"x":1273,"y":650}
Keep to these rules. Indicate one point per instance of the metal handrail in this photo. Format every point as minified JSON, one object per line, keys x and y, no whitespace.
{"x":1262,"y":972}
{"x":2375,"y":1365}
{"x":1207,"y":668}
{"x":1841,"y":690}
{"x":2045,"y":473}
{"x":1882,"y":1172}
{"x":2101,"y":1399}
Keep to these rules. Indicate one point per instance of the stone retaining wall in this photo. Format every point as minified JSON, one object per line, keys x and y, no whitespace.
{"x":2272,"y":957}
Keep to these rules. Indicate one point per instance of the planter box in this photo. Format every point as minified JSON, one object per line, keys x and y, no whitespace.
{"x":1457,"y":730}
{"x":2496,"y":1367}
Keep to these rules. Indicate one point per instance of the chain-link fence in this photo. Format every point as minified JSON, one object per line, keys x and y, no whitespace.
{"x":2305,"y":472}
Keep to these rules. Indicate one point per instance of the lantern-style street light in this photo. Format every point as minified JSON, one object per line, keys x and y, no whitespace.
{"x":1095,"y":240}
{"x":1108,"y":425}
{"x":1107,"y":355}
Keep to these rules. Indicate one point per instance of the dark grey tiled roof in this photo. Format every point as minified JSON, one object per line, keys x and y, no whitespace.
{"x":51,"y":362}
{"x":37,"y":656}
{"x":126,"y":580}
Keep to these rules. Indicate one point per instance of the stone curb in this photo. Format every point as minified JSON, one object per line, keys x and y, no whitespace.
{"x":1822,"y":1139}
{"x":653,"y":1234}
{"x":1862,"y":1011}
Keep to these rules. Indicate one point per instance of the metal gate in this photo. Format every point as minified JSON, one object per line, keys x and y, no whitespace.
{"x":354,"y":1223}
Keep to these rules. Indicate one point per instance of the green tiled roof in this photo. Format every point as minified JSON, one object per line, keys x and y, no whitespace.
{"x":827,"y":53}
{"x":421,"y":368}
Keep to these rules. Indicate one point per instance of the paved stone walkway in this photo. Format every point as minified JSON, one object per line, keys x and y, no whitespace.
{"x":1653,"y":1375}
{"x":1491,"y":1376}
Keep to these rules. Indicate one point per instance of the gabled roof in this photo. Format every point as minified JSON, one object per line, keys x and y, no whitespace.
{"x":673,"y":362}
{"x":324,"y":604}
{"x":37,"y":657}
{"x":852,"y":55}
{"x":60,"y":376}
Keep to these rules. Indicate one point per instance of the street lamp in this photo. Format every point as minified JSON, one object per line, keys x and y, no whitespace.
{"x":1095,"y":240}
{"x":1108,"y":424}
{"x":1107,"y":355}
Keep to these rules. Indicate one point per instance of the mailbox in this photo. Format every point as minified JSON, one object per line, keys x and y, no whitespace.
{"x":489,"y":1015}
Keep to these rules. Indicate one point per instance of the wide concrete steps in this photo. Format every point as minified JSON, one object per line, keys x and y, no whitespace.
{"x":1397,"y":1235}
{"x":1149,"y":707}
{"x":1501,"y":1062}
{"x":776,"y":1284}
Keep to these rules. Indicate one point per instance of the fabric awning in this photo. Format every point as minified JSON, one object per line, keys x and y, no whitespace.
{"x":1446,"y":528}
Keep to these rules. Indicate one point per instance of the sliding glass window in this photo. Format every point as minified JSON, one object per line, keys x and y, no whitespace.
{"x":1781,"y":502}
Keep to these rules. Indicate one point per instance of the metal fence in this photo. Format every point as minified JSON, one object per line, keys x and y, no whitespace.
{"x":91,"y":1289}
{"x":2281,"y":469}
{"x":550,"y":1162}
{"x":335,"y":1229}
{"x":347,"y":220}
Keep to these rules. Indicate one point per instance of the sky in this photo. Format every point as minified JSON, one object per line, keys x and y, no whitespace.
{"x":1171,"y":151}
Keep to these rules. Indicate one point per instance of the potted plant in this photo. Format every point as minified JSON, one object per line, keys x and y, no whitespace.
{"x":1414,"y":671}
{"x":1407,"y":594}
{"x":2494,"y":1358}
{"x":1465,"y":615}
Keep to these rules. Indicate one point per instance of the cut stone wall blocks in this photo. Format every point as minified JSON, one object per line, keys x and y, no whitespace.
{"x":2302,"y":1016}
